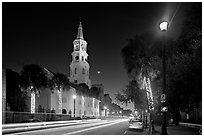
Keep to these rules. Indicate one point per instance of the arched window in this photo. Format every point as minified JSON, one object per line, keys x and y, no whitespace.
{"x":82,"y":58}
{"x":64,"y":111}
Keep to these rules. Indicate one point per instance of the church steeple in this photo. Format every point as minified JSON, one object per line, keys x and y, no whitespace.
{"x":79,"y":67}
{"x":80,"y":32}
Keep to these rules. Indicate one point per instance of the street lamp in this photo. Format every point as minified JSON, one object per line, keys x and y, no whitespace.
{"x":163,"y":28}
{"x":74,"y":97}
{"x":105,"y":109}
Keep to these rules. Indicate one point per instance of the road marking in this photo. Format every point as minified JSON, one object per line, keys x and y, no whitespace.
{"x":125,"y":132}
{"x":87,"y":129}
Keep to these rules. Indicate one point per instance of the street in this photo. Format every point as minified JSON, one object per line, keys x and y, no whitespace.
{"x":100,"y":127}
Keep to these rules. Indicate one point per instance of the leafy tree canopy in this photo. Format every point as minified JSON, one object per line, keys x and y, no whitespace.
{"x":33,"y":75}
{"x":59,"y":81}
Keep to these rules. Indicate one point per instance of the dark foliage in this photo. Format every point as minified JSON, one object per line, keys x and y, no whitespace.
{"x":33,"y":75}
{"x":83,"y":90}
{"x":15,"y":98}
{"x":59,"y":81}
{"x":133,"y":93}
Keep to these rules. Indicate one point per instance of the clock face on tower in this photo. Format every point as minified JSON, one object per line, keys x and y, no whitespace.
{"x":76,"y":43}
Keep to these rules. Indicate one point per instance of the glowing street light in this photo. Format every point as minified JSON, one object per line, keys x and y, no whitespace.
{"x":163,"y":26}
{"x":105,"y":107}
{"x":74,"y":96}
{"x":98,"y":72}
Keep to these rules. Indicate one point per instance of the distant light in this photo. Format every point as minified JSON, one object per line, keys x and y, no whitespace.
{"x":98,"y":72}
{"x":74,"y":96}
{"x":164,"y":109}
{"x":163,"y":26}
{"x":105,"y":107}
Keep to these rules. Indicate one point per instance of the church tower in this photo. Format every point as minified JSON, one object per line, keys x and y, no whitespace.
{"x":79,"y":67}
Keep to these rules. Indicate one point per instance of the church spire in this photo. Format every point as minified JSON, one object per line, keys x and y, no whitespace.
{"x":80,"y":32}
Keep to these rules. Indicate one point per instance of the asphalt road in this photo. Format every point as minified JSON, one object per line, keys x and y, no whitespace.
{"x":100,"y":127}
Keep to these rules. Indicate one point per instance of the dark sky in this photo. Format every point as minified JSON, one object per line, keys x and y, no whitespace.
{"x":42,"y":33}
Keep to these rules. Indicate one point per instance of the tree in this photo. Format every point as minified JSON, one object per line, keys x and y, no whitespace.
{"x":141,"y":62}
{"x":59,"y":82}
{"x":15,"y":98}
{"x":134,"y":94}
{"x":95,"y":91}
{"x":83,"y":90}
{"x":185,"y":65}
{"x":33,"y":78}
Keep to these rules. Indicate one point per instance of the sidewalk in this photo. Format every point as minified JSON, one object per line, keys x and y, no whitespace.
{"x":177,"y":130}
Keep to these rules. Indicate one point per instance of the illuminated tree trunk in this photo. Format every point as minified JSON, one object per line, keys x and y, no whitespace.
{"x":149,"y":92}
{"x":32,"y":102}
{"x":60,"y":101}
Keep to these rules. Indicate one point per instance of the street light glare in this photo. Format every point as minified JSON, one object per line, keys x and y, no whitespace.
{"x":74,"y":96}
{"x":98,"y":72}
{"x":163,"y":26}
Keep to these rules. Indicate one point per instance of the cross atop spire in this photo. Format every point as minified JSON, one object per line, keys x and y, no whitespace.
{"x":80,"y":32}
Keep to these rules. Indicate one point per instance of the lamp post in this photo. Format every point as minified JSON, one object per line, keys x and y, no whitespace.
{"x":163,"y":28}
{"x":105,"y":109}
{"x":74,"y":97}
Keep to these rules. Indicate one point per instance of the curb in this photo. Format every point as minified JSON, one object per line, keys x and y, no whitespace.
{"x":198,"y":126}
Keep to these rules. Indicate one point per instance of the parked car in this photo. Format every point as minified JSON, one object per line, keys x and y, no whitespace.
{"x":136,"y":124}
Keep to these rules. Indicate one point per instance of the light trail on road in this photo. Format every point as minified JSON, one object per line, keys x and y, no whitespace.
{"x":100,"y":126}
{"x":67,"y":129}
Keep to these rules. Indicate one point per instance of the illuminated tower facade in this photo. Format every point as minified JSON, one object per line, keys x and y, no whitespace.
{"x":79,"y":67}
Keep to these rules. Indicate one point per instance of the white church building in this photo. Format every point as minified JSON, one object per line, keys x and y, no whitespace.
{"x":63,"y":102}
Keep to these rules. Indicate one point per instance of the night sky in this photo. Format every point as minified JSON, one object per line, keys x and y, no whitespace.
{"x":42,"y":33}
